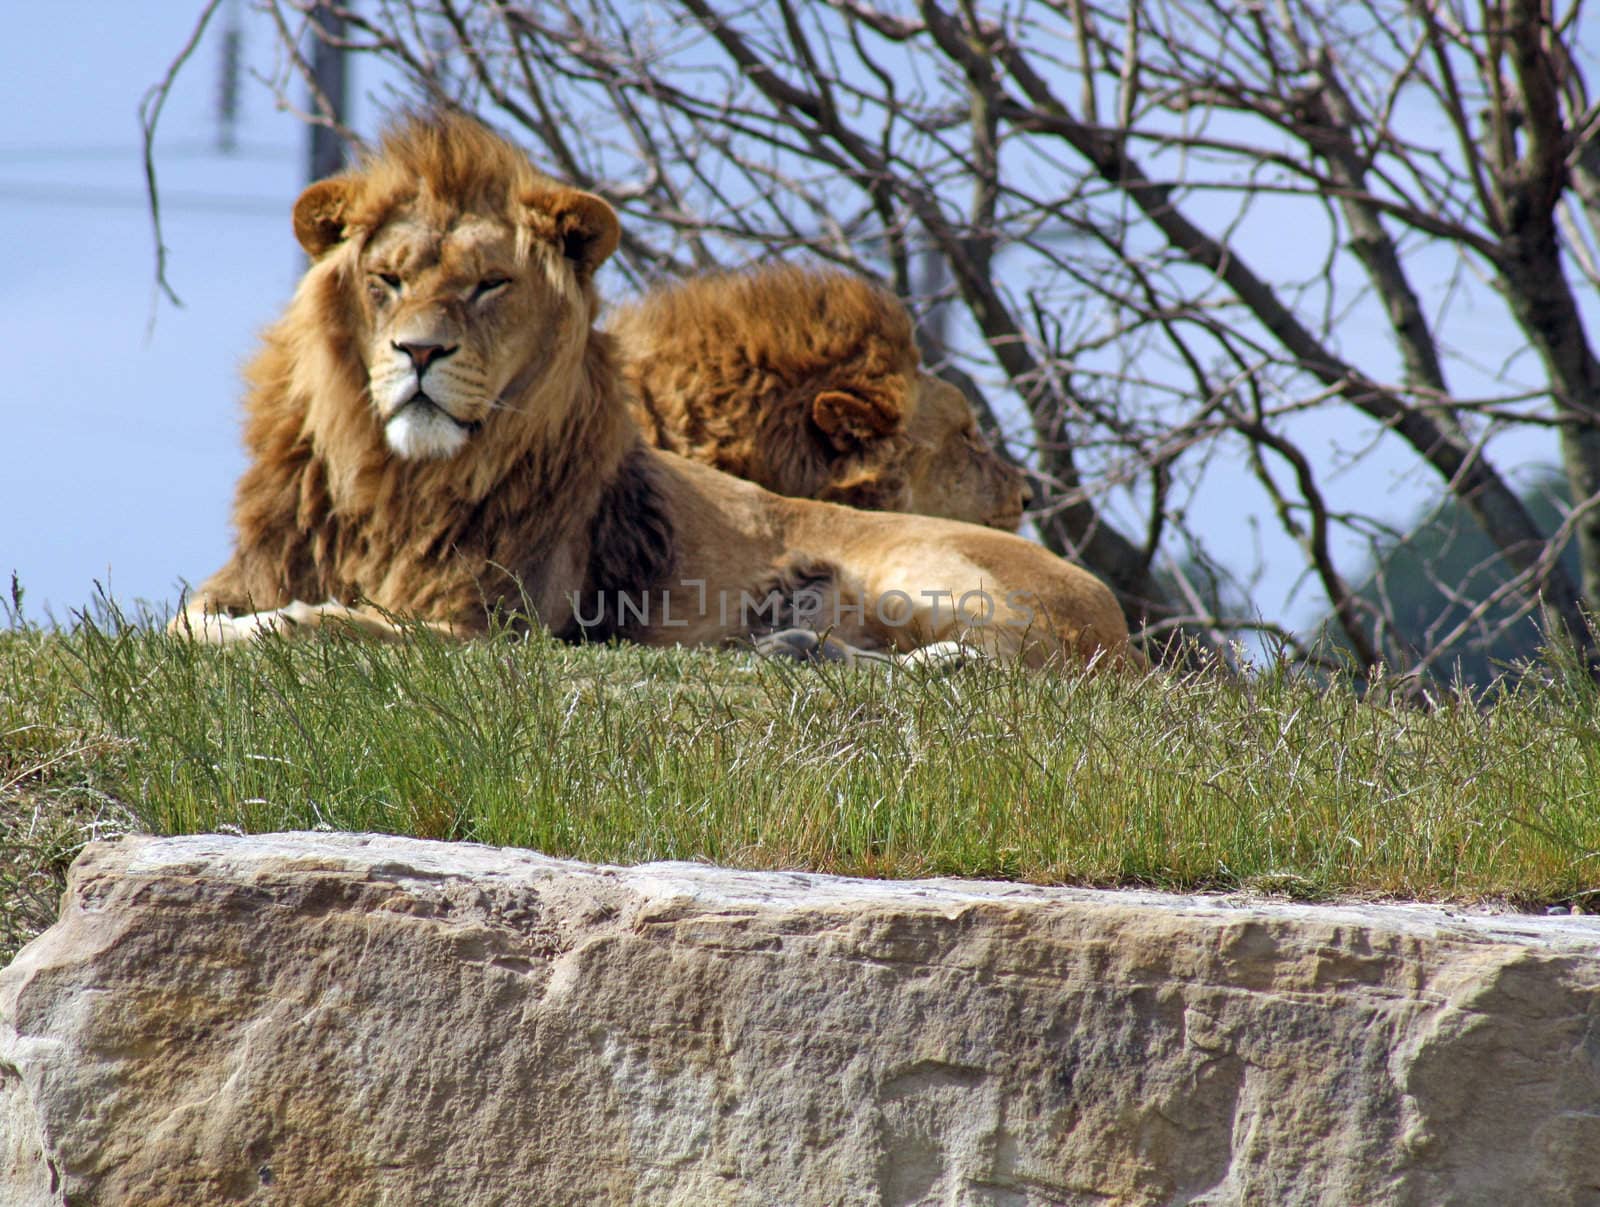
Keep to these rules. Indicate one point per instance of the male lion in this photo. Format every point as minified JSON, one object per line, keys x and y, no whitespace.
{"x":437,"y":431}
{"x":808,"y":382}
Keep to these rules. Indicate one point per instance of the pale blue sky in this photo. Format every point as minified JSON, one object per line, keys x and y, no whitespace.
{"x":120,"y":451}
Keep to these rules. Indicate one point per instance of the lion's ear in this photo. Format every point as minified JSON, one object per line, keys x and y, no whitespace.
{"x":849,"y":420}
{"x":319,"y":215}
{"x":586,"y":228}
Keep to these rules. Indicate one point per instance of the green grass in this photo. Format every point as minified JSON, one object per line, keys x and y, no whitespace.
{"x":1272,"y":783}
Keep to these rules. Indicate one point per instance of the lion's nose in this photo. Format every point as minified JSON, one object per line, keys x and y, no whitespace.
{"x":1027,"y":492}
{"x":423,"y":355}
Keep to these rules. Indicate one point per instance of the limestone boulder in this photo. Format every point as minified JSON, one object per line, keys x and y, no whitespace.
{"x":351,"y":1019}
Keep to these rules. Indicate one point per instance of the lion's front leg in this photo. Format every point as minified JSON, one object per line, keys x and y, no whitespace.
{"x":205,"y":624}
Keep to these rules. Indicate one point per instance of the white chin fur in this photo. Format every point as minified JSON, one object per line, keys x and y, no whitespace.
{"x":421,"y":432}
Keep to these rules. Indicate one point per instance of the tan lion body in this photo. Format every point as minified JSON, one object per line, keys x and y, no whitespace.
{"x":808,"y":382}
{"x":438,"y":432}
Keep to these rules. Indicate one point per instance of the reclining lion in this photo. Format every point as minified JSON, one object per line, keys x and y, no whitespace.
{"x":808,"y":382}
{"x":437,"y":432}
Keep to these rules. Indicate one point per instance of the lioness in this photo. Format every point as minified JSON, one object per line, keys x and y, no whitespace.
{"x":808,"y":381}
{"x":438,"y":431}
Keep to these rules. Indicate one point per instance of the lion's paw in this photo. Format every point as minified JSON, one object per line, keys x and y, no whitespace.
{"x":803,"y":645}
{"x":940,"y":658}
{"x":218,"y":628}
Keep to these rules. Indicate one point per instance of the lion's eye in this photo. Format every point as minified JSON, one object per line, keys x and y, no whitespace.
{"x":489,"y":285}
{"x":383,"y":282}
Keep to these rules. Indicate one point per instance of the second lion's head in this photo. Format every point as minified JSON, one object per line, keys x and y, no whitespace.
{"x":809,"y":381}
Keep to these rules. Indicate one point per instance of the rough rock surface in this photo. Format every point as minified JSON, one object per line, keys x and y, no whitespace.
{"x":347,"y":1019}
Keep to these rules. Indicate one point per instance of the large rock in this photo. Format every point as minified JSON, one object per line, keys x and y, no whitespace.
{"x":323,"y":1018}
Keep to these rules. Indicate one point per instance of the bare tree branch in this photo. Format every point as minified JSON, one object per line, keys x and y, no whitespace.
{"x":149,"y":117}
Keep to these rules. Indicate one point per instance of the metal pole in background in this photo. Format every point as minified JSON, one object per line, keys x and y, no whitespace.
{"x":326,"y":148}
{"x":933,"y":275}
{"x":228,"y":83}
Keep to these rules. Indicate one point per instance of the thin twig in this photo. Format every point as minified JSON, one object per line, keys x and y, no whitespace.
{"x":149,"y":115}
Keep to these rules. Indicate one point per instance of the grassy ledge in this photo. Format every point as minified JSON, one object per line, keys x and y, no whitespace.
{"x":619,"y":754}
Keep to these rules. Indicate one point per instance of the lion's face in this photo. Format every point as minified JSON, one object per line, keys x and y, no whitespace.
{"x":439,"y":305}
{"x":950,"y":469}
{"x":459,"y":311}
